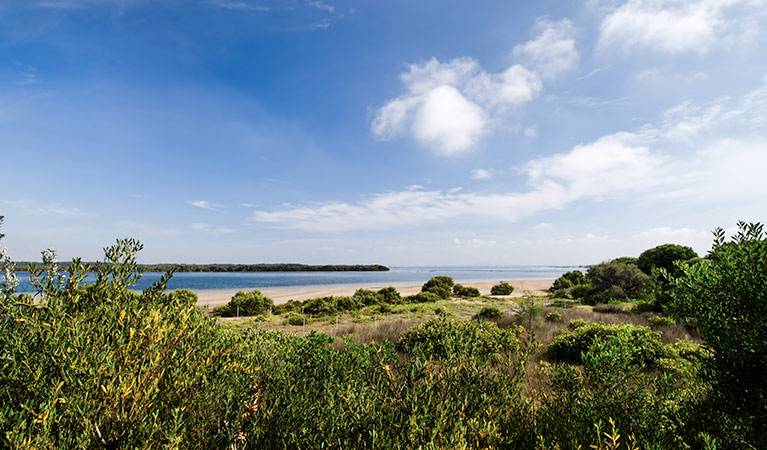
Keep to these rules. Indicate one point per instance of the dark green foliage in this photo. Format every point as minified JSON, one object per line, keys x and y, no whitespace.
{"x":442,"y":286}
{"x":390,"y":295}
{"x":278,"y":267}
{"x":449,"y":339}
{"x":289,"y":306}
{"x":663,"y":257}
{"x":423,"y":297}
{"x":575,"y":277}
{"x":573,"y":344}
{"x":368,"y":297}
{"x":252,"y":303}
{"x":582,"y":291}
{"x":502,"y":288}
{"x":490,"y":312}
{"x":616,"y":280}
{"x":561,"y":283}
{"x":725,"y":296}
{"x":626,"y":260}
{"x":465,"y":291}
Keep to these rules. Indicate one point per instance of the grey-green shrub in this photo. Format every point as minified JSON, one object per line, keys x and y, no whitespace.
{"x":247,"y":304}
{"x":502,"y":288}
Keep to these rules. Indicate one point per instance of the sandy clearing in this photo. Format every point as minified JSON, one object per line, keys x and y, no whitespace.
{"x":216,"y":297}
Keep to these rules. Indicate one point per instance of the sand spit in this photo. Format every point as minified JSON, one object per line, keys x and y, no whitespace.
{"x":216,"y":297}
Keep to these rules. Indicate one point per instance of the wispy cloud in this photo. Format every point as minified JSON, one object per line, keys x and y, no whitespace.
{"x":552,"y":52}
{"x":26,"y":207}
{"x":204,"y":204}
{"x":481,"y":174}
{"x":240,"y":5}
{"x":676,"y":26}
{"x":134,"y":228}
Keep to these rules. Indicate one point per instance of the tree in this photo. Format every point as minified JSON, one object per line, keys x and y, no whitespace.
{"x":725,"y":297}
{"x":664,"y":256}
{"x":627,"y":278}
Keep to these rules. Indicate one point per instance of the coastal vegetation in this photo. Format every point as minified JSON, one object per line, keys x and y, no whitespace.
{"x":101,"y":366}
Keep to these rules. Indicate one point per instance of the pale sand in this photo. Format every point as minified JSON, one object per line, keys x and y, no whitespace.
{"x":217,"y":297}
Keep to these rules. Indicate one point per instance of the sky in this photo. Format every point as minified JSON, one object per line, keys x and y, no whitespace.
{"x":399,"y":132}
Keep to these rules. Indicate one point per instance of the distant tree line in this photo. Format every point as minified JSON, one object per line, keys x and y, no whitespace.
{"x":277,"y":267}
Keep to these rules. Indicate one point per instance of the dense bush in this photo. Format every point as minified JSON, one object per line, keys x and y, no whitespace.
{"x":490,"y":312}
{"x":422,"y":297}
{"x":246,"y":304}
{"x":390,"y":295}
{"x":448,"y":339}
{"x":616,"y":280}
{"x":465,"y":291}
{"x":442,"y":286}
{"x":573,"y":344}
{"x":502,"y":288}
{"x":663,"y":257}
{"x":725,"y":297}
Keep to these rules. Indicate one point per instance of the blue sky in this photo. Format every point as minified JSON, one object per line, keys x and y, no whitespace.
{"x":369,"y":131}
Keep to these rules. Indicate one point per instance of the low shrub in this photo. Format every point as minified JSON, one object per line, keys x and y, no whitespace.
{"x":577,"y":323}
{"x":553,"y":317}
{"x":564,"y":303}
{"x":294,"y":319}
{"x":465,"y":291}
{"x":490,"y":312}
{"x":442,"y":286}
{"x":289,"y":306}
{"x":502,"y":288}
{"x":367,"y":297}
{"x":390,"y":295}
{"x":446,"y":339}
{"x":572,"y":345}
{"x":661,"y":321}
{"x":246,"y":304}
{"x":423,"y":297}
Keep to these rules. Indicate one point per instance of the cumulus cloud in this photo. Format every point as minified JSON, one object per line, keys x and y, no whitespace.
{"x":552,"y":52}
{"x":448,"y":106}
{"x":673,"y":26}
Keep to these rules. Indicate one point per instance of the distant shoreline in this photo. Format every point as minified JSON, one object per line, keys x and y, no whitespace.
{"x":226,"y":268}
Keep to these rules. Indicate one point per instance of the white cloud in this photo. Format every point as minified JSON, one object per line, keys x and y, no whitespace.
{"x":531,"y":131}
{"x":239,"y":6}
{"x":449,"y":106}
{"x":674,"y":26}
{"x":552,"y":52}
{"x":204,"y":204}
{"x":623,"y":165}
{"x":481,"y":174}
{"x":672,"y":234}
{"x":474,"y":243}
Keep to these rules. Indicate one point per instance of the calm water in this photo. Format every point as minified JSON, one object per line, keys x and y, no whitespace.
{"x":250,"y":280}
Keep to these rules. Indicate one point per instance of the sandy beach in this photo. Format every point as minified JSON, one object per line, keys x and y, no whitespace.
{"x":216,"y":297}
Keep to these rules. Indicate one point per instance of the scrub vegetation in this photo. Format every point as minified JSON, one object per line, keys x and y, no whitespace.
{"x":101,"y":366}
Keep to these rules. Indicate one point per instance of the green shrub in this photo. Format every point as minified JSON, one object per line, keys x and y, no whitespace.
{"x":184,"y":296}
{"x":661,"y":321}
{"x":582,"y":291}
{"x":490,"y":312}
{"x":247,"y":304}
{"x":577,"y":323}
{"x":367,"y":297}
{"x":561,"y":283}
{"x":465,"y":291}
{"x":390,"y":295}
{"x":289,"y":306}
{"x":423,"y":297}
{"x":625,"y":280}
{"x":448,"y":339}
{"x":553,"y":317}
{"x":442,"y":286}
{"x":663,"y":257}
{"x":502,"y":288}
{"x":295,"y":319}
{"x":571,"y":346}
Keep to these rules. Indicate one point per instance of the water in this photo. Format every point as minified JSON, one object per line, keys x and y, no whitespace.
{"x":197,"y":281}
